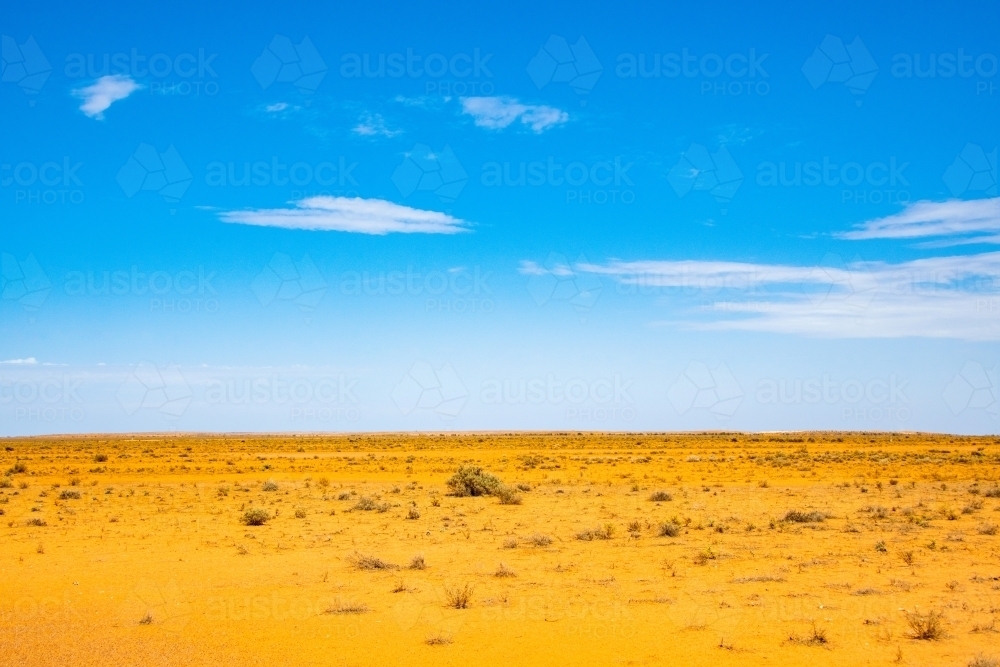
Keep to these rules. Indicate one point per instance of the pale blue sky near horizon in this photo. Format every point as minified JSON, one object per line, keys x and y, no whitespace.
{"x":575,"y":217}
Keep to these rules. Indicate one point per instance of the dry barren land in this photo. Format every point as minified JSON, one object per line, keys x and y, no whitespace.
{"x":584,"y":549}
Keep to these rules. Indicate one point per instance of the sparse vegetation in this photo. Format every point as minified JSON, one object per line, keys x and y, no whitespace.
{"x":369,"y":562}
{"x":669,"y":529}
{"x":508,"y":496}
{"x":925,"y":626}
{"x":255,"y":516}
{"x":540,"y":540}
{"x":459,"y":598}
{"x":341,"y":607}
{"x":982,"y":660}
{"x":725,"y":548}
{"x":473,"y":481}
{"x":504,"y":572}
{"x":605,"y":532}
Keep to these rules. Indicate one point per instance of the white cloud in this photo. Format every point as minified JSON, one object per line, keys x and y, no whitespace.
{"x":350,"y":214}
{"x":100,"y":95}
{"x":30,"y":361}
{"x":961,"y":222}
{"x":276,"y":107}
{"x":497,"y":113}
{"x":939,"y":297}
{"x":371,"y":126}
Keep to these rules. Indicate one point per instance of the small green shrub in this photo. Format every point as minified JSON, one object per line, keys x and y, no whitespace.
{"x":473,"y":481}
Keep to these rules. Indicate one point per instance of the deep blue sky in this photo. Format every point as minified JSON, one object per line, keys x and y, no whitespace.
{"x":711,"y":240}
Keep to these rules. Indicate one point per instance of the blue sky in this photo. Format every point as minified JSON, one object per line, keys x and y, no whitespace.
{"x":398,"y":217}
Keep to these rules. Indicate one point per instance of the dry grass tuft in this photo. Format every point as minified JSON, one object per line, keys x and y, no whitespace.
{"x":339,"y":607}
{"x":605,"y":532}
{"x":669,"y":529}
{"x":368,"y":562}
{"x":925,"y":626}
{"x":418,"y":562}
{"x":459,"y":598}
{"x":540,"y":540}
{"x":816,"y":637}
{"x":758,"y":578}
{"x":661,"y":497}
{"x":795,"y":516}
{"x":438,"y":640}
{"x":255,"y":517}
{"x":366,"y":504}
{"x":504,"y":572}
{"x":508,"y":496}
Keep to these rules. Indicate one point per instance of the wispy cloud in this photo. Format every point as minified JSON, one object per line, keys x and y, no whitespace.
{"x":372,"y":126}
{"x":940,"y":297}
{"x":30,"y":361}
{"x":277,"y":107}
{"x":100,"y":95}
{"x":350,"y":214}
{"x":953,"y":222}
{"x":497,"y":113}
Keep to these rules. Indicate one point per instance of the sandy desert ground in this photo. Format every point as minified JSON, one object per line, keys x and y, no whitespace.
{"x":641,"y":549}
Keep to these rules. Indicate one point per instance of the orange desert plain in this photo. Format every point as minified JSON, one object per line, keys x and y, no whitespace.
{"x":577,"y":549}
